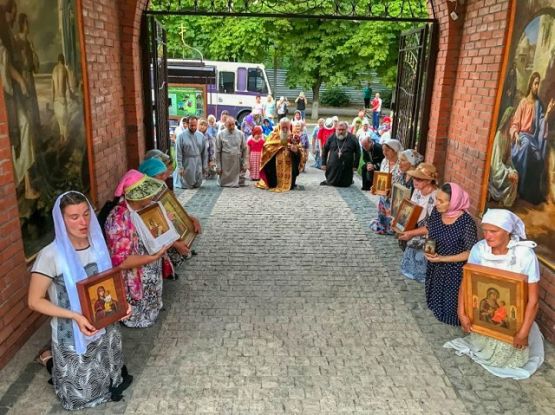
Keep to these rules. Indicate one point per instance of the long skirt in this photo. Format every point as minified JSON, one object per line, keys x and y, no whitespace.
{"x":443,"y":281}
{"x":500,"y":358}
{"x":255,"y":157}
{"x":382,"y":224}
{"x":144,"y":312}
{"x":414,"y":264}
{"x":85,"y":381}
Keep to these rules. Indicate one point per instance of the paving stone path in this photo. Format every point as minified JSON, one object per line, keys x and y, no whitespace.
{"x":291,"y":307}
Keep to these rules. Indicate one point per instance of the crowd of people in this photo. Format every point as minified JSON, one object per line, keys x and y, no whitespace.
{"x":87,"y":364}
{"x":445,"y":220}
{"x":230,"y":151}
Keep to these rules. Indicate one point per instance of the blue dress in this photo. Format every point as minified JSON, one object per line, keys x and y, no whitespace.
{"x":444,"y":279}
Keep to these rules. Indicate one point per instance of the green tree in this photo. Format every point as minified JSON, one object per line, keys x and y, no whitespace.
{"x":314,"y":51}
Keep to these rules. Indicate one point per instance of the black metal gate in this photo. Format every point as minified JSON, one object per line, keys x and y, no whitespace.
{"x":155,"y":79}
{"x":415,"y":74}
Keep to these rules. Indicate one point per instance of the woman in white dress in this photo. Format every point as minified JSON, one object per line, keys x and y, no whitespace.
{"x":504,"y":247}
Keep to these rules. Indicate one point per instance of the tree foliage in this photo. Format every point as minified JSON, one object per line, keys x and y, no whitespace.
{"x":314,"y":51}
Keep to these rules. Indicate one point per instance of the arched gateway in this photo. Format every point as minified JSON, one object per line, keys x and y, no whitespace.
{"x":417,"y":51}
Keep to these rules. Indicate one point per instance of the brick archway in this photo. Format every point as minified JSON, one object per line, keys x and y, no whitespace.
{"x":444,"y":85}
{"x":131,"y":12}
{"x":467,"y":72}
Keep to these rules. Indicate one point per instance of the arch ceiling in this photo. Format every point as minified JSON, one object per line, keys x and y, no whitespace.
{"x":378,"y":10}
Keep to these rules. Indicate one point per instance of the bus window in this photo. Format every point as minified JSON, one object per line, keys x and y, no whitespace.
{"x":241,"y":79}
{"x":256,"y":81}
{"x":227,"y":82}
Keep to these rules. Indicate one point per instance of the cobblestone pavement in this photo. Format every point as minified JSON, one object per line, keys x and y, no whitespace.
{"x":291,"y":306}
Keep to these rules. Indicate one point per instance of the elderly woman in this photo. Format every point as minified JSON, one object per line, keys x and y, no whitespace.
{"x":413,"y":264}
{"x":159,"y":154}
{"x":454,"y":232}
{"x":142,"y":271}
{"x":408,"y":160}
{"x":503,"y":247}
{"x":156,"y":169}
{"x":248,"y":124}
{"x":168,"y":162}
{"x":390,"y":164}
{"x":88,"y":365}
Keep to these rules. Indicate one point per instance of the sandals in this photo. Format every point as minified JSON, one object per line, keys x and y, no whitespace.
{"x":44,"y":356}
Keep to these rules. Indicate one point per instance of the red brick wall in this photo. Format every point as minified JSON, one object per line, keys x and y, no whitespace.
{"x":104,"y":66}
{"x":446,"y":69}
{"x":467,"y":72}
{"x":478,"y":70}
{"x":17,"y":322}
{"x":113,"y":73}
{"x":130,"y":21}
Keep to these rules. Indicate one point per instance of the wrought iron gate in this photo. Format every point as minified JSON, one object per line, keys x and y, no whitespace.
{"x":415,"y":73}
{"x":416,"y":54}
{"x":155,"y":79}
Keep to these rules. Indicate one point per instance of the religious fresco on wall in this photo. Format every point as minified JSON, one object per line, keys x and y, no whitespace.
{"x":41,"y":78}
{"x":522,"y":156}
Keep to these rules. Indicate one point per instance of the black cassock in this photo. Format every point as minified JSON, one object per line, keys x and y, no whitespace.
{"x":340,"y":158}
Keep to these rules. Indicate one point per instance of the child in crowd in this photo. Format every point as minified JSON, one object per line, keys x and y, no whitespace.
{"x":255,"y":143}
{"x":267,"y":127}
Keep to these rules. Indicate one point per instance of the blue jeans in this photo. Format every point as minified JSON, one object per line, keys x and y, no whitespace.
{"x":375,"y":120}
{"x":317,"y":160}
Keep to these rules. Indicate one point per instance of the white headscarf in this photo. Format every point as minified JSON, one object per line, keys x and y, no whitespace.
{"x":395,"y":145}
{"x":72,"y":269}
{"x":506,"y":220}
{"x":413,"y":156}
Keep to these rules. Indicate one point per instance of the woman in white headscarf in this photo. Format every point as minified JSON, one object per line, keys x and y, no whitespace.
{"x":182,"y":126}
{"x":88,"y":365}
{"x":504,"y":247}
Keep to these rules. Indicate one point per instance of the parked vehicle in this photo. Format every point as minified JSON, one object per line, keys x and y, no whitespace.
{"x":208,"y":87}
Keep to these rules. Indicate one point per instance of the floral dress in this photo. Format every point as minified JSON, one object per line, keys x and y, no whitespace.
{"x":382,"y":224}
{"x":143,"y":284}
{"x":413,"y":264}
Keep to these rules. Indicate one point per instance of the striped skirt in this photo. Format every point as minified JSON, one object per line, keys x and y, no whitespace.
{"x":255,"y":158}
{"x":85,"y":381}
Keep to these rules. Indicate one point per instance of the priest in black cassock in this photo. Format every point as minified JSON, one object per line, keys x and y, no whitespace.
{"x":340,"y":157}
